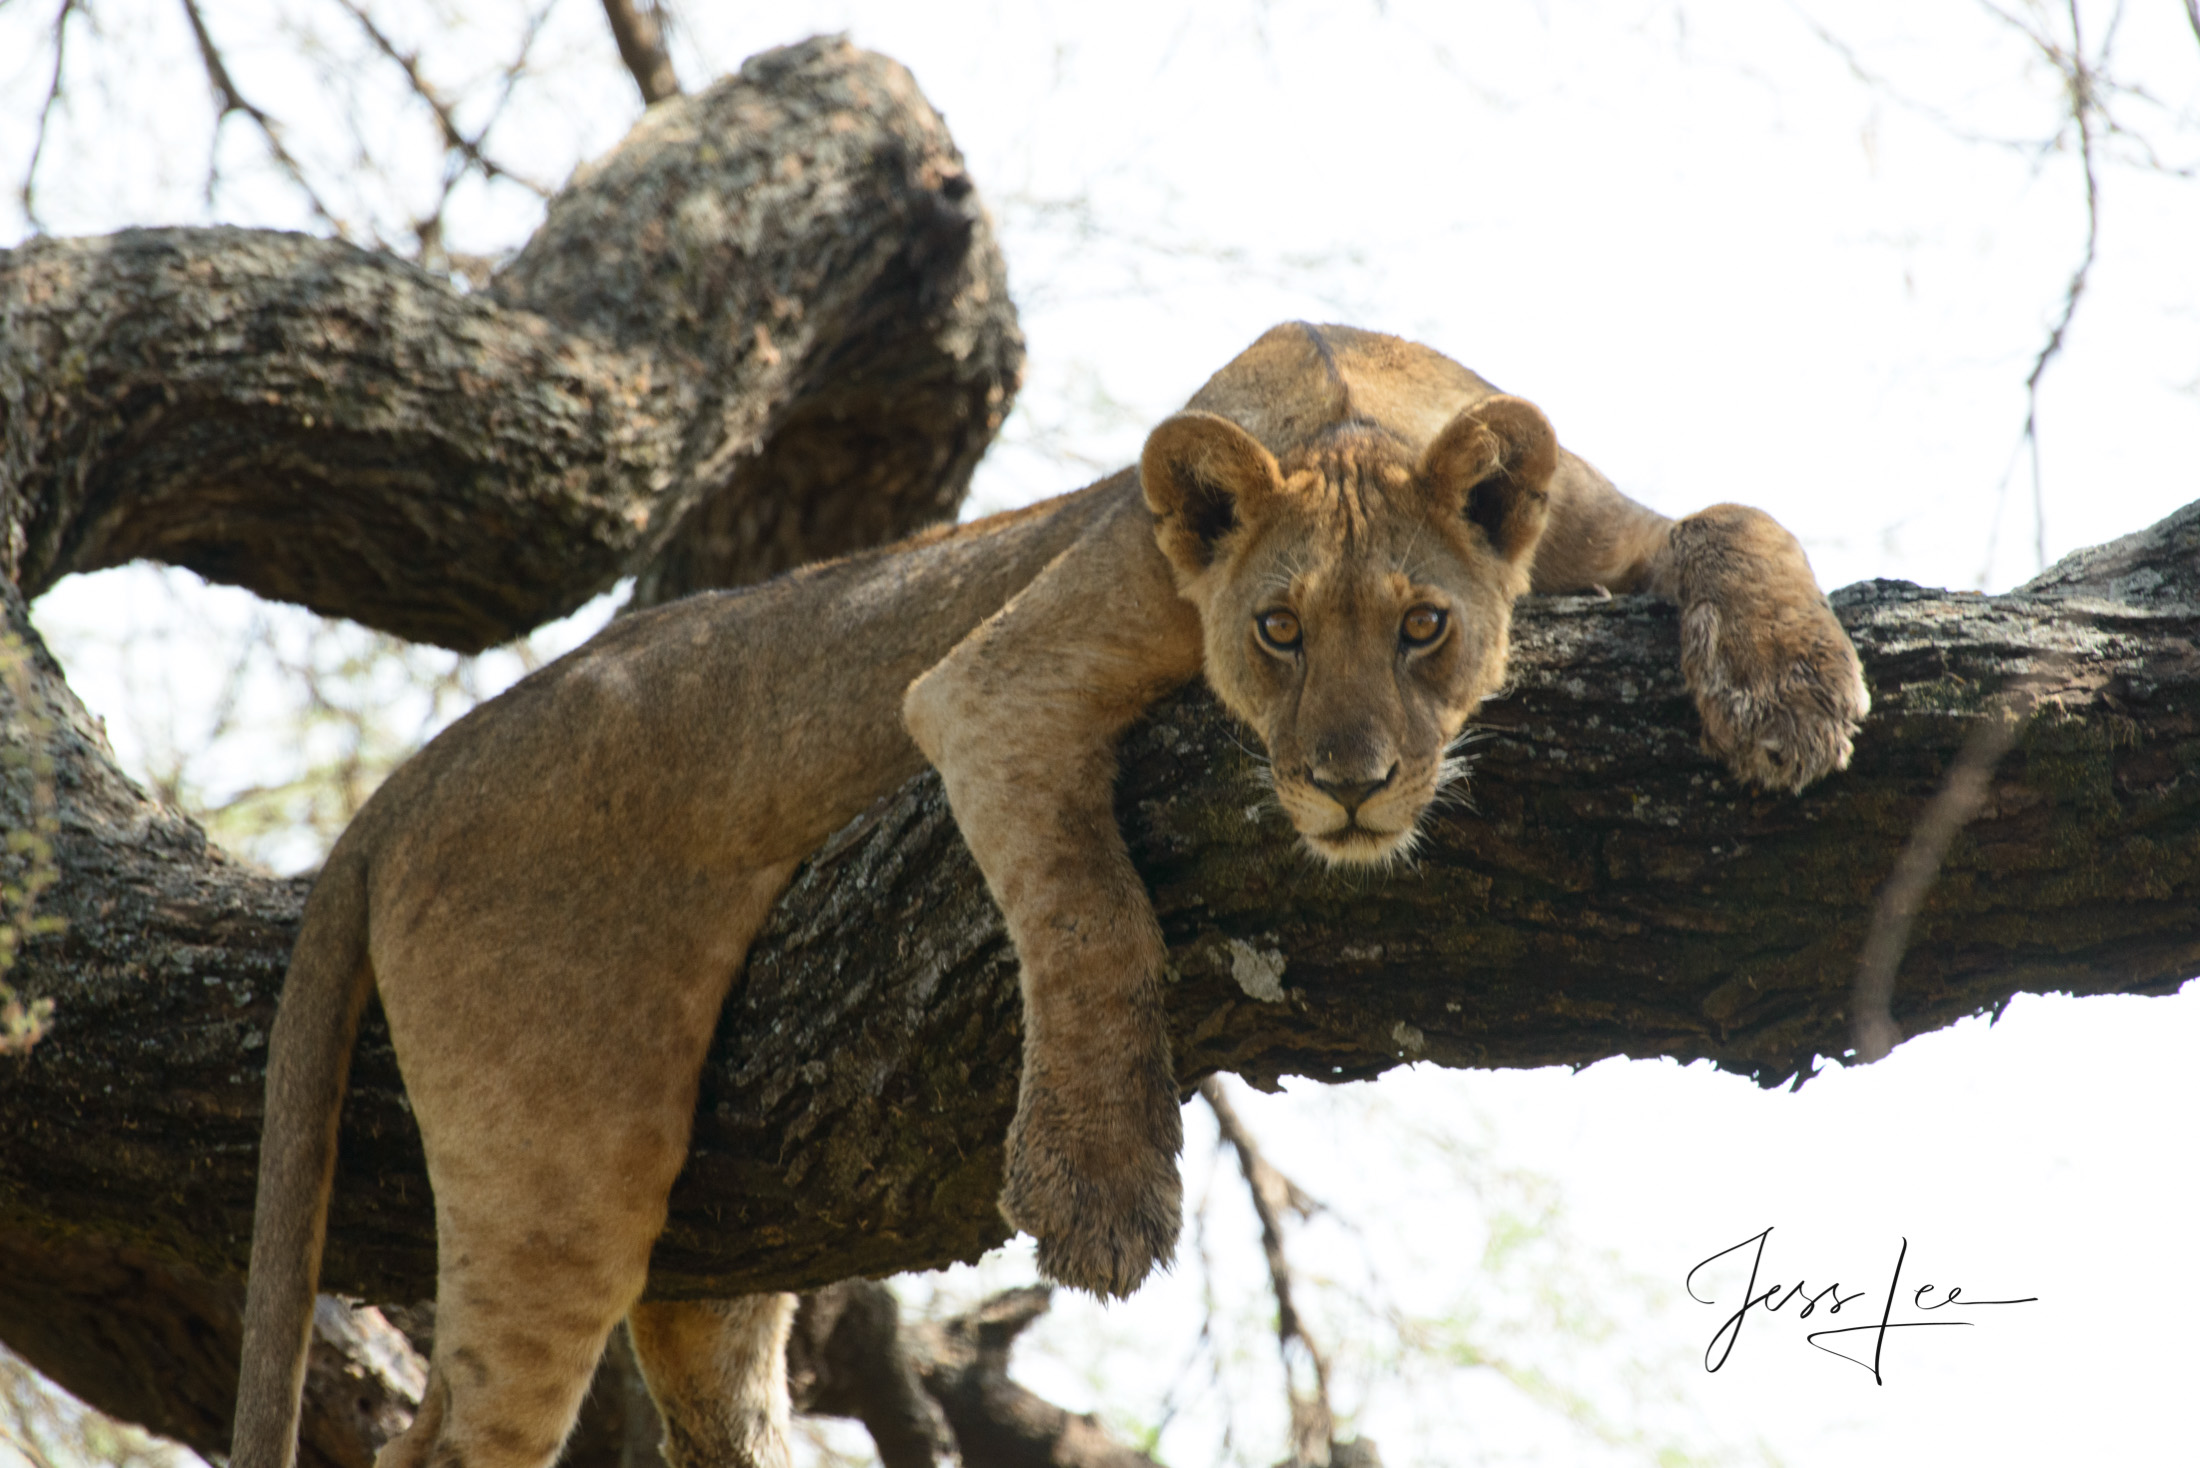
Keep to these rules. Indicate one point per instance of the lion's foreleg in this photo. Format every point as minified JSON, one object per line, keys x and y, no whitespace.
{"x":1771,"y":670}
{"x":1092,"y":1151}
{"x":1773,"y":673}
{"x":1022,"y":720}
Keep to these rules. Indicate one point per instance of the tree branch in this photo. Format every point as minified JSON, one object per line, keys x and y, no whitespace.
{"x":2078,"y":84}
{"x":772,"y":326}
{"x":28,"y":193}
{"x":454,"y":139}
{"x":1305,"y":1366}
{"x":848,"y":1356}
{"x":709,"y":364}
{"x":229,"y":99}
{"x":641,"y":39}
{"x":1610,"y":894}
{"x":963,"y":1363}
{"x":1872,"y":1030}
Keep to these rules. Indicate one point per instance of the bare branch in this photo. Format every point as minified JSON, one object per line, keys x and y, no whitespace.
{"x":1961,"y":797}
{"x":479,"y":269}
{"x":848,"y":1356}
{"x":2078,"y":83}
{"x":231,"y":100}
{"x":453,"y":138}
{"x":2087,"y":90}
{"x":1305,"y":1367}
{"x":963,"y":1364}
{"x":640,"y":33}
{"x":932,"y":1395}
{"x":45,"y":112}
{"x":1872,"y":79}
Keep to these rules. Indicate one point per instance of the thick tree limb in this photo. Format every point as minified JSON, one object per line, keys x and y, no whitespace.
{"x":771,"y":326}
{"x":964,"y":1365}
{"x":938,"y":1393}
{"x":1610,"y":894}
{"x":710,"y":364}
{"x":154,"y":1343}
{"x":848,"y":1356}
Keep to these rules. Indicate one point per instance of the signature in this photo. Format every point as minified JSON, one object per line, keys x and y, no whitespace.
{"x":1774,"y":1298}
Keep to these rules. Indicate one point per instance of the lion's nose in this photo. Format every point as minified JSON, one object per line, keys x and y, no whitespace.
{"x":1349,"y":793}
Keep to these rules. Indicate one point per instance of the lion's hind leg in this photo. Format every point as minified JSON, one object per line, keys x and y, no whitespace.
{"x":524,"y":1304}
{"x":552,"y":1157}
{"x":717,"y":1370}
{"x":553,"y":1065}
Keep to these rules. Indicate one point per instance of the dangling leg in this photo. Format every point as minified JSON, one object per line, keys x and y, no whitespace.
{"x":524,"y":1302}
{"x":717,"y":1370}
{"x":1022,"y":720}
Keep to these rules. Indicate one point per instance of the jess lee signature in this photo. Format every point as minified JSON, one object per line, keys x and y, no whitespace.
{"x":1775,"y":1297}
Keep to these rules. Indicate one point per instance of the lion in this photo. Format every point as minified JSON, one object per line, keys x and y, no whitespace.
{"x":565,"y":882}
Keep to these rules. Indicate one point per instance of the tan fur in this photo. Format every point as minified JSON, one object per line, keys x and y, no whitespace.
{"x":717,"y":1370}
{"x":552,"y":898}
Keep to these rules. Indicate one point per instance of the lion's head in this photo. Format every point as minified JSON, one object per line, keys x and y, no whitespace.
{"x":1356,"y":598}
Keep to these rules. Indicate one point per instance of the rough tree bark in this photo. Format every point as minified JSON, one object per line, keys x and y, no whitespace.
{"x":772,"y":326}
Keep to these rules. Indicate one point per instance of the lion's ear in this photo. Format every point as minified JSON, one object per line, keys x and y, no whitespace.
{"x":1204,"y":477}
{"x":1495,"y":462}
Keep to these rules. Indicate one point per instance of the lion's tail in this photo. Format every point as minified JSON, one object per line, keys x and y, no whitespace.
{"x":308,"y":1066}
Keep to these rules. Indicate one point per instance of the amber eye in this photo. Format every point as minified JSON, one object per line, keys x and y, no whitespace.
{"x":1279,"y":629}
{"x":1422,"y":626}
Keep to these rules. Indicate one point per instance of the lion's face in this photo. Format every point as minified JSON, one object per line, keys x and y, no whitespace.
{"x":1356,"y":599}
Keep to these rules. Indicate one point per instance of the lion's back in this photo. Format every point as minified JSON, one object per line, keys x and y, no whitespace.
{"x":1300,"y":379}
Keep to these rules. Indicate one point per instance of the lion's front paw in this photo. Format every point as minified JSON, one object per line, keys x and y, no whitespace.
{"x":1777,"y":683}
{"x":1779,"y":688}
{"x":1097,"y":1186}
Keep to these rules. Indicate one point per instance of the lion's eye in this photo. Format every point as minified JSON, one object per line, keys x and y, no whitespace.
{"x":1422,"y":626}
{"x":1279,"y":629}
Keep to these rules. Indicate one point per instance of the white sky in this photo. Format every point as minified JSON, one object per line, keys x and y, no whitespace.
{"x":1728,"y":269}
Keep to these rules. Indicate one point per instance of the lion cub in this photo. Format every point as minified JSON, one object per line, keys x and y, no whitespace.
{"x":566,"y":881}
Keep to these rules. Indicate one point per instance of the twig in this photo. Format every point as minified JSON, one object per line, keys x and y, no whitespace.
{"x":478,"y":268}
{"x":2078,"y":79}
{"x":45,"y":112}
{"x":2086,"y":87}
{"x":641,"y":38}
{"x":232,"y":100}
{"x":1313,"y":1424}
{"x":453,"y":138}
{"x":1867,"y":77}
{"x":1872,"y":1030}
